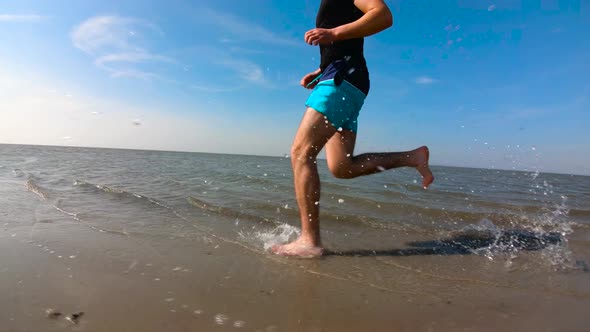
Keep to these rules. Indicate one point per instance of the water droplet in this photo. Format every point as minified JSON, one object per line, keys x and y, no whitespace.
{"x":340,"y":200}
{"x":381,"y":169}
{"x":317,"y":203}
{"x":415,"y":181}
{"x":198,"y":312}
{"x":348,"y":154}
{"x":339,"y":128}
{"x":343,"y":98}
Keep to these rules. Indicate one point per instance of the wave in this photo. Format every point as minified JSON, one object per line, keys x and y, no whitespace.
{"x":225,"y":211}
{"x":36,"y":189}
{"x":76,"y":217}
{"x":43,"y":193}
{"x":120,"y":192}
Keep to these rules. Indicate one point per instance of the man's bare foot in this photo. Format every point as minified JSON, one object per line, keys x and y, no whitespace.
{"x":421,"y":156}
{"x":298,"y":248}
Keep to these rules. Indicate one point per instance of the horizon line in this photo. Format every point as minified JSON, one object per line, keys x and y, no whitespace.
{"x":275,"y":156}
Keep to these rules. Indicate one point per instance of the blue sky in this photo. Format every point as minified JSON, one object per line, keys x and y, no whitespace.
{"x":493,"y":84}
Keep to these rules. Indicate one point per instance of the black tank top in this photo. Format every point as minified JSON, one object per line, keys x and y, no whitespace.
{"x":347,"y":53}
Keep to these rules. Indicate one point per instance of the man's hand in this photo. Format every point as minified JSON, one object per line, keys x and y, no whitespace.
{"x":309,"y":78}
{"x":319,"y":36}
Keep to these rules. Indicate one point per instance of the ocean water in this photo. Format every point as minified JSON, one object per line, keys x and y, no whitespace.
{"x":250,"y":199}
{"x":475,"y":234}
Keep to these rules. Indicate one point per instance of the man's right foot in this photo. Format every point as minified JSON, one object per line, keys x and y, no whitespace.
{"x":421,"y":156}
{"x":298,"y":248}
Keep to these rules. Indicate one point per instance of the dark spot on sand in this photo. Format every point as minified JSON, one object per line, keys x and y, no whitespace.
{"x":74,"y":318}
{"x":53,"y":314}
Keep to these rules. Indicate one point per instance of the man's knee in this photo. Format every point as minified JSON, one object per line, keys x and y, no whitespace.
{"x":303,"y":153}
{"x":340,"y":171}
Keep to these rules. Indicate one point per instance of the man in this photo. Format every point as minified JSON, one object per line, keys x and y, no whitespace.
{"x":340,"y":86}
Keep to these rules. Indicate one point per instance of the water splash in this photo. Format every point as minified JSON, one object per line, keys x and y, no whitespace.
{"x":278,"y":235}
{"x":546,"y":232}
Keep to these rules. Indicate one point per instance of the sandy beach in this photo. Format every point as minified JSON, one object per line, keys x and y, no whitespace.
{"x":207,"y":284}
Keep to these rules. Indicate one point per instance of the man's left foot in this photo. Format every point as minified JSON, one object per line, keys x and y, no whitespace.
{"x":421,"y":156}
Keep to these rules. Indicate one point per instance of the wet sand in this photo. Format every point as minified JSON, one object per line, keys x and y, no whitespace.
{"x":203,"y":283}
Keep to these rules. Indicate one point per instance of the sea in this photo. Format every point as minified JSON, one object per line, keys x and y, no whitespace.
{"x":139,"y":192}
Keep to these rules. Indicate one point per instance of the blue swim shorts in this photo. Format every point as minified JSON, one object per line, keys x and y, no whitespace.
{"x":339,"y":104}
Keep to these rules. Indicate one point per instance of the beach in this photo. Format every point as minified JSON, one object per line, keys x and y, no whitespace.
{"x":152,"y":241}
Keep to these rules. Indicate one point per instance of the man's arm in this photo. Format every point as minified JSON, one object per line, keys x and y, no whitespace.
{"x":377,"y":17}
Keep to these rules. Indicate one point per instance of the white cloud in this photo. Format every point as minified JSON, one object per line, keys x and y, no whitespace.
{"x":425,"y":80}
{"x":99,"y":33}
{"x":212,"y":88}
{"x":117,"y":45}
{"x":246,"y":70}
{"x":225,"y":72}
{"x":146,"y":76}
{"x":29,"y":18}
{"x":131,"y":57}
{"x":243,"y":30}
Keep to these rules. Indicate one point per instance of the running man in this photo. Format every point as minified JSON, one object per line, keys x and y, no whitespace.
{"x":340,"y":87}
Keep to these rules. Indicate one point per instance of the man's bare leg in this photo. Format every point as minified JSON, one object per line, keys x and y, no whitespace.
{"x":343,"y":164}
{"x":312,"y":135}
